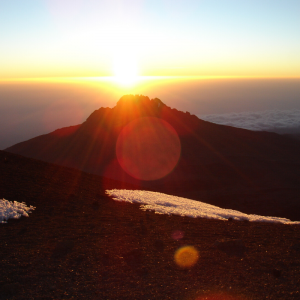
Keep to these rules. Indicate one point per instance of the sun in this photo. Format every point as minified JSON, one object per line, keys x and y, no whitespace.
{"x":125,"y":68}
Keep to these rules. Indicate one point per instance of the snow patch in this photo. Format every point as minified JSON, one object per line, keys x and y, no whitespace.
{"x":167,"y":204}
{"x":13,"y":210}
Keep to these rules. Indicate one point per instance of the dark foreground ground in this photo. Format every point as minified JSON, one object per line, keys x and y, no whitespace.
{"x":80,"y":244}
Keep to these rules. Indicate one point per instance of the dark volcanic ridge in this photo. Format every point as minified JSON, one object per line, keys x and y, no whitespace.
{"x":253,"y":172}
{"x":80,"y":244}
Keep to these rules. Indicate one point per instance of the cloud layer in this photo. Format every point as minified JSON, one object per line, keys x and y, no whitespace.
{"x":285,"y":121}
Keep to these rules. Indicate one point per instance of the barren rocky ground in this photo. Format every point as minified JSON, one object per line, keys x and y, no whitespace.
{"x":80,"y":244}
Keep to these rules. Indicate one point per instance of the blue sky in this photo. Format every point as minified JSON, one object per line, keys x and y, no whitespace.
{"x":204,"y":38}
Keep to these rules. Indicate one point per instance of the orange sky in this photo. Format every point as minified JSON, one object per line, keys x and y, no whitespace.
{"x":53,"y":38}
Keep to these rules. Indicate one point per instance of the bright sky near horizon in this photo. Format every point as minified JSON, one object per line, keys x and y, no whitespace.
{"x":49,"y":38}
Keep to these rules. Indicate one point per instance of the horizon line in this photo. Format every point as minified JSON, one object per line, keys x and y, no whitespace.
{"x":138,"y":78}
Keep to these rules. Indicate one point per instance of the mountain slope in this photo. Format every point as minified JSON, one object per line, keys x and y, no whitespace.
{"x":80,"y":244}
{"x":215,"y":162}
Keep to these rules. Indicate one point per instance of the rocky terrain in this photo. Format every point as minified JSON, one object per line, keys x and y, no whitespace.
{"x":80,"y":244}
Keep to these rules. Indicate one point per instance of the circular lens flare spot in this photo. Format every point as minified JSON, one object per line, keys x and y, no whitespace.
{"x":148,"y":148}
{"x":177,"y":235}
{"x":186,"y":257}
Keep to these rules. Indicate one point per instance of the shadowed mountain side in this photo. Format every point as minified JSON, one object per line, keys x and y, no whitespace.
{"x":80,"y":244}
{"x":215,"y":160}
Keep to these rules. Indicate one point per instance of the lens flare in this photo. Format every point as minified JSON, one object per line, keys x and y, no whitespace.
{"x":186,"y":257}
{"x":177,"y":235}
{"x":148,"y":148}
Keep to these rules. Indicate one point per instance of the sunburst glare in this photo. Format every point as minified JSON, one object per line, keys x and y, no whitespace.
{"x":125,"y":68}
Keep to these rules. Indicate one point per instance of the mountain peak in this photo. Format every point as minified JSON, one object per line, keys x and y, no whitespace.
{"x":138,"y":101}
{"x":128,"y":108}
